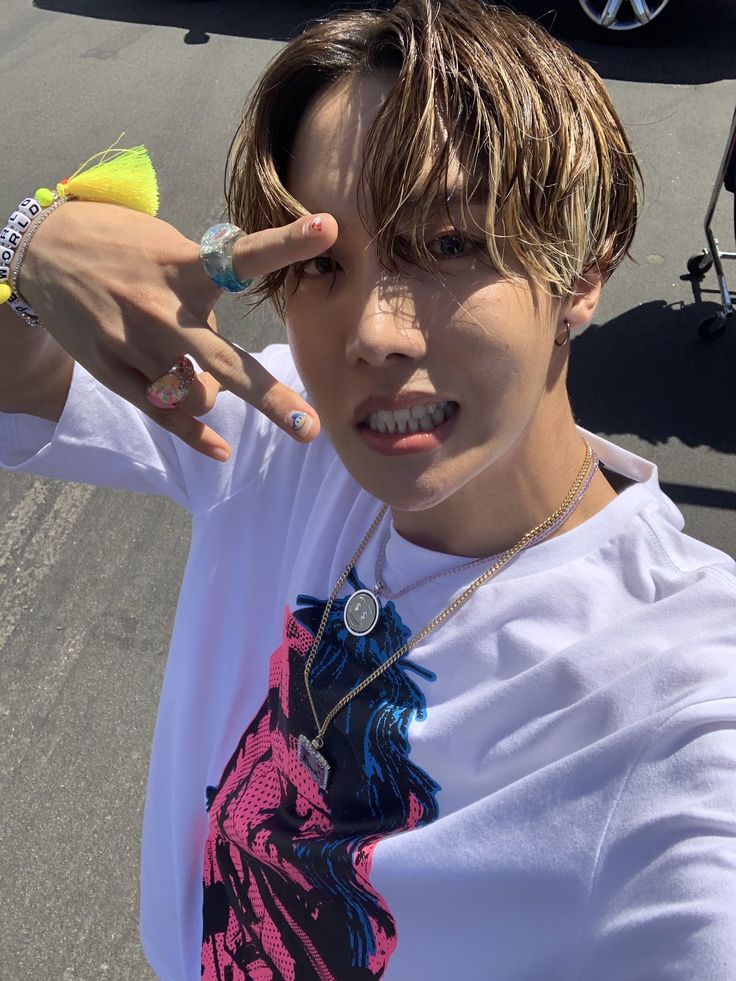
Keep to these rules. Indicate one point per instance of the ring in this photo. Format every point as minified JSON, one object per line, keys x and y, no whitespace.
{"x":216,"y":253}
{"x":167,"y":391}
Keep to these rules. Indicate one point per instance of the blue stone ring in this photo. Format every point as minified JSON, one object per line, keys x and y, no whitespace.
{"x":216,"y":251}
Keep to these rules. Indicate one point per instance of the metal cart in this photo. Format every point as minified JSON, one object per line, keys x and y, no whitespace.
{"x":698,"y":265}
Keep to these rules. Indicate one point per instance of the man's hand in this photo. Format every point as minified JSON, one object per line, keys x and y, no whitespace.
{"x":125,"y":295}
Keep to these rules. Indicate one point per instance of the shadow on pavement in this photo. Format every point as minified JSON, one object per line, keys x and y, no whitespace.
{"x":699,"y":47}
{"x":647,"y":373}
{"x":278,"y":20}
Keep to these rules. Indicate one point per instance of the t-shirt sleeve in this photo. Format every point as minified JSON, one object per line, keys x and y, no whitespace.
{"x":102,"y":439}
{"x":663,"y":903}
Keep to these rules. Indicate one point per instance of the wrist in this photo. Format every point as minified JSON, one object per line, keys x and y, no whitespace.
{"x":15,"y":238}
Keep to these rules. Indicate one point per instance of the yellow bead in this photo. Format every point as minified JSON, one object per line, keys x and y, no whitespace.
{"x":44,"y":197}
{"x":5,"y":292}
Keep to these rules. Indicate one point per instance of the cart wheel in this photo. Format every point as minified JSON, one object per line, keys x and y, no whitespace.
{"x":712,"y":327}
{"x":698,"y":265}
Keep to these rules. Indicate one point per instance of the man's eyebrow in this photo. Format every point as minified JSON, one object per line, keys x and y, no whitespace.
{"x":450,"y":206}
{"x":455,"y":198}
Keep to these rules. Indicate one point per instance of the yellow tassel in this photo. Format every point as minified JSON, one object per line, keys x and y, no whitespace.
{"x":123,"y":177}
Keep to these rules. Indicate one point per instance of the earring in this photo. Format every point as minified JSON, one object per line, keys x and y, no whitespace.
{"x":561,"y":342}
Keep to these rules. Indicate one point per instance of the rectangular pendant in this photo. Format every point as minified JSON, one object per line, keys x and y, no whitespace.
{"x":313,"y":762}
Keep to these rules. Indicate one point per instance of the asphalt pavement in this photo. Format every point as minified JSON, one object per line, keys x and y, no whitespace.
{"x":89,"y":577}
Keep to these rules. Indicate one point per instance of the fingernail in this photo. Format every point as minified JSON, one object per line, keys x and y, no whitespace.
{"x":299,"y":422}
{"x":313,"y":228}
{"x":220,"y":453}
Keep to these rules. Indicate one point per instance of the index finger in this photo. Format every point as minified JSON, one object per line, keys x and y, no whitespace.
{"x":255,"y":255}
{"x":273,"y":248}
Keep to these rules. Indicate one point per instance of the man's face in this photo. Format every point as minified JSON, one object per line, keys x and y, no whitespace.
{"x":422,"y":385}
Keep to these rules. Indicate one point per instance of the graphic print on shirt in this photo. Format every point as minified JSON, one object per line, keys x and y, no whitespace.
{"x":287,"y":890}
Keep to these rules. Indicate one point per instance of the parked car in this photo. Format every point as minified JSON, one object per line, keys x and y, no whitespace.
{"x":626,"y":19}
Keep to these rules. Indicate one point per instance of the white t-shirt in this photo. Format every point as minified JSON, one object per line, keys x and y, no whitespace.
{"x":544,"y":789}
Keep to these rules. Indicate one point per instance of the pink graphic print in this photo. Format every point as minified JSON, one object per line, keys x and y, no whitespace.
{"x":286,"y":874}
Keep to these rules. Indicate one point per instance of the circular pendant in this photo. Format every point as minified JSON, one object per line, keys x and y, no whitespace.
{"x":362,"y":611}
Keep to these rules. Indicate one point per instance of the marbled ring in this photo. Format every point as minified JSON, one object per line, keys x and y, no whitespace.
{"x":167,"y":391}
{"x":216,"y":252}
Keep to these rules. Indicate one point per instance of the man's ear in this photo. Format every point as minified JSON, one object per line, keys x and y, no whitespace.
{"x":581,"y":307}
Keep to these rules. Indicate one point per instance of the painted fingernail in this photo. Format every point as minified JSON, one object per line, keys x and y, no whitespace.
{"x":313,"y":227}
{"x":299,"y":422}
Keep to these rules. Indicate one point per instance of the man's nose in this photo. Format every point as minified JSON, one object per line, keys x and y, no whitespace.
{"x":385,"y":325}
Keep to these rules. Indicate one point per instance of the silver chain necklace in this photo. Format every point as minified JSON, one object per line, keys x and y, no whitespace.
{"x":363,"y":609}
{"x":308,"y":750}
{"x":382,"y":589}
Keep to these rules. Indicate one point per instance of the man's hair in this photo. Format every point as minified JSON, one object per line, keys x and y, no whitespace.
{"x":529,"y":122}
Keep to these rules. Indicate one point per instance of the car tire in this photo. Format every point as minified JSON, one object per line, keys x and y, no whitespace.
{"x":627,"y":25}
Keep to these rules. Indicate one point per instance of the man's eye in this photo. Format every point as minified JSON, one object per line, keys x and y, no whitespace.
{"x":450,"y":245}
{"x":321,"y":265}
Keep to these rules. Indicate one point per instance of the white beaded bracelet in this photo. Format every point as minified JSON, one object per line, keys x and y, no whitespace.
{"x":33,"y":228}
{"x":15,"y":238}
{"x":17,"y":225}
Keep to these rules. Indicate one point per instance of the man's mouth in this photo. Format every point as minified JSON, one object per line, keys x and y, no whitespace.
{"x":421,"y":418}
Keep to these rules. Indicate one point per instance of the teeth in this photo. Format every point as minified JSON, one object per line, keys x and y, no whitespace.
{"x":418,"y":418}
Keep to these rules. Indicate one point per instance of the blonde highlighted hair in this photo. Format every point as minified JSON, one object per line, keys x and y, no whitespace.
{"x":529,"y":123}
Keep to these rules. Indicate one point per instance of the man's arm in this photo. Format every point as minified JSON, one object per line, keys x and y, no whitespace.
{"x":35,"y":372}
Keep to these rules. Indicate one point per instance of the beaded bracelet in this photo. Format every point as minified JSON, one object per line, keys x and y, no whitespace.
{"x":16,"y":302}
{"x":15,"y":238}
{"x":18,"y":224}
{"x":20,"y":254}
{"x":121,"y":176}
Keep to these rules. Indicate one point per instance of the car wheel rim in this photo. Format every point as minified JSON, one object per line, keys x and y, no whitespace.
{"x":622,"y":15}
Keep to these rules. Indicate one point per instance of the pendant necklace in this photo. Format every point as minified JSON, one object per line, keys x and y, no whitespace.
{"x":365,"y":609}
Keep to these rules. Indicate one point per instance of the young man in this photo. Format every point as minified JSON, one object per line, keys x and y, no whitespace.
{"x":445,"y":697}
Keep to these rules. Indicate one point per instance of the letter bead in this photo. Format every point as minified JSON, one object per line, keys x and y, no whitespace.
{"x":19,"y":221}
{"x":21,"y":306}
{"x":9,"y":236}
{"x":6,"y":254}
{"x":30,"y":207}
